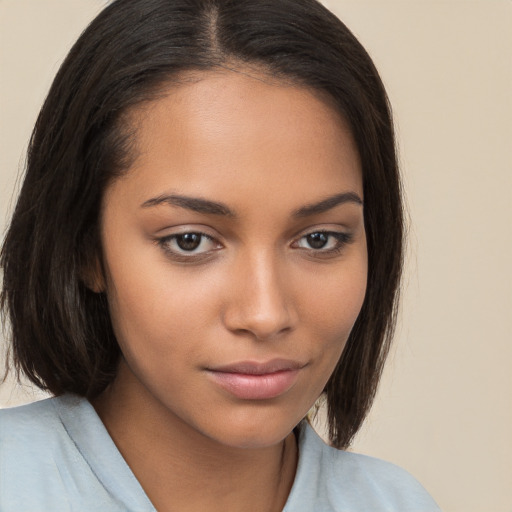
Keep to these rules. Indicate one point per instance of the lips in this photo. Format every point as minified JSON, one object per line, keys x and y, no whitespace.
{"x":249,"y":380}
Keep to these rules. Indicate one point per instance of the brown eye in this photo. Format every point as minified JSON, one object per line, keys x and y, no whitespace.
{"x":189,"y":245}
{"x":323,"y":242}
{"x":188,"y":241}
{"x":317,"y":240}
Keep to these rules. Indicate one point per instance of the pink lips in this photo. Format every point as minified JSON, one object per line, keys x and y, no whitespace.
{"x":257,"y":381}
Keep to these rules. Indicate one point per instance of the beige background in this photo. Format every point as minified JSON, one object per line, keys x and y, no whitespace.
{"x":444,"y":410}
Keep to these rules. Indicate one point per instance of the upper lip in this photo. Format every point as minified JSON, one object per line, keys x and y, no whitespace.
{"x":259,"y":368}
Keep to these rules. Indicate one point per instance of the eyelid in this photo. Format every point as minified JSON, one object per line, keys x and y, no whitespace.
{"x":183,"y":229}
{"x":187,"y":256}
{"x":343,"y":238}
{"x":335,"y":230}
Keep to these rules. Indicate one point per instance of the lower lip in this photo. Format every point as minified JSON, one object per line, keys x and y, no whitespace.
{"x":256,"y":387}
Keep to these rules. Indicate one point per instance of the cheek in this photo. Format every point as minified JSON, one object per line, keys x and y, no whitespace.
{"x":338,"y":299}
{"x":334,"y":310}
{"x":330,"y":319}
{"x":159,"y":312}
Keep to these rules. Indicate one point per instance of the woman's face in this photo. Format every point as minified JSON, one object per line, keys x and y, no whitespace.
{"x":235,"y":255}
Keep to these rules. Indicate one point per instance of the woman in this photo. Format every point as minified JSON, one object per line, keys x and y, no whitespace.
{"x":208,"y":239}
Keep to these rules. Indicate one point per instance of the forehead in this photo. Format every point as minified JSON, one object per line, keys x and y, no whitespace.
{"x":236,"y":135}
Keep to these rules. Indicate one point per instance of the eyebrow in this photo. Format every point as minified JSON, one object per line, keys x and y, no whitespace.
{"x":195,"y":204}
{"x":206,"y":206}
{"x":327,"y":204}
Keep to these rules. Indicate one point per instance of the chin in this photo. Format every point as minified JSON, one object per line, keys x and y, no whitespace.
{"x":252,"y":432}
{"x":254,"y":440}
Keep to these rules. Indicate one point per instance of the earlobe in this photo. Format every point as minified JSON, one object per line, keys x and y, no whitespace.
{"x":93,"y":276}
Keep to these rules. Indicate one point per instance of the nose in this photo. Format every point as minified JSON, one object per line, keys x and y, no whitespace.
{"x":260,"y":303}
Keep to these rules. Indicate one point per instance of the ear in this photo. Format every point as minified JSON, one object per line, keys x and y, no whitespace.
{"x":93,"y":276}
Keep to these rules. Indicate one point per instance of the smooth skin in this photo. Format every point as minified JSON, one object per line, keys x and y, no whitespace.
{"x":274,"y":269}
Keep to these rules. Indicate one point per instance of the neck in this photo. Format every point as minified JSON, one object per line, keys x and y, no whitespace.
{"x":181,"y":469}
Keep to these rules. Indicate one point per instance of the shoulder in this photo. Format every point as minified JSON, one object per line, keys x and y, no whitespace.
{"x":28,"y":425}
{"x":388,"y":485}
{"x":33,"y":444}
{"x":42,"y":462}
{"x":341,"y":480}
{"x":39,"y":425}
{"x":29,"y":442}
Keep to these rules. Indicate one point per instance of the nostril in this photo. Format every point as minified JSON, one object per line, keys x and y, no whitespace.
{"x":257,"y":326}
{"x":261,"y":319}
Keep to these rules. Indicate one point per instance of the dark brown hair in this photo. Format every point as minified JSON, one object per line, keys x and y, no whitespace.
{"x":62,"y":336}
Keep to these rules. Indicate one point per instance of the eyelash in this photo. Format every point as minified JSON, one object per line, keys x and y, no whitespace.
{"x":186,"y":256}
{"x":341,"y":240}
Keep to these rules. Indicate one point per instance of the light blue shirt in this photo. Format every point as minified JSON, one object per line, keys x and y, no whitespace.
{"x":57,"y":456}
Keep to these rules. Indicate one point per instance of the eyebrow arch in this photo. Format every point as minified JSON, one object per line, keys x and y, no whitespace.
{"x":206,"y":206}
{"x":195,"y":204}
{"x":327,"y":204}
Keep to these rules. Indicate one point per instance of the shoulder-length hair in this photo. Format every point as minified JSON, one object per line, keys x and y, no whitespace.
{"x":62,"y":336}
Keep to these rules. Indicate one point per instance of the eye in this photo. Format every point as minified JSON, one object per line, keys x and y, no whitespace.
{"x":324,"y":241}
{"x":187,"y":245}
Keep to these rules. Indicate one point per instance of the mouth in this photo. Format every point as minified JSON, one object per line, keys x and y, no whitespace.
{"x":248,"y":380}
